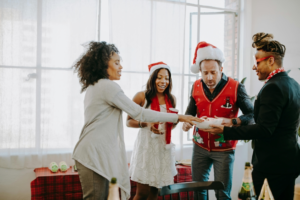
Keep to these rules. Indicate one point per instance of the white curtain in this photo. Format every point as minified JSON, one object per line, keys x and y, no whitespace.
{"x":146,"y":32}
{"x":41,"y":108}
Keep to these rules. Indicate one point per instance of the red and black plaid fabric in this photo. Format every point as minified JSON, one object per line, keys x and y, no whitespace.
{"x":58,"y":186}
{"x":66,"y":185}
{"x":184,"y":174}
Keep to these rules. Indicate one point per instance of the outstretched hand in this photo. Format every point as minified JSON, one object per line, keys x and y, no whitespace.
{"x":216,"y":129}
{"x":189,"y":119}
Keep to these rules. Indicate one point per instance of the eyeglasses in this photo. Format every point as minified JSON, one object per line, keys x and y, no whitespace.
{"x":256,"y":61}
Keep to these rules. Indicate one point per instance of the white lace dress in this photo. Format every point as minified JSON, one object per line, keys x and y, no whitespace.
{"x":151,"y":163}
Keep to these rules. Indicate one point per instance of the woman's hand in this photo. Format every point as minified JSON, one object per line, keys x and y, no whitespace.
{"x":189,"y":119}
{"x":153,"y":129}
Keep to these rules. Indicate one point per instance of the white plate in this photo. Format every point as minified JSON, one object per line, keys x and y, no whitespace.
{"x":207,"y":122}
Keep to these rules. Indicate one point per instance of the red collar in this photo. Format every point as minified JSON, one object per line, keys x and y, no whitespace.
{"x":276,"y":71}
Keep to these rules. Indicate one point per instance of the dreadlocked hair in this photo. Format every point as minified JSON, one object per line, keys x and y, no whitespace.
{"x":93,"y":64}
{"x":265,"y":42}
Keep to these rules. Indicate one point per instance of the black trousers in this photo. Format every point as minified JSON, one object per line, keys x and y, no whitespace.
{"x":282,"y":185}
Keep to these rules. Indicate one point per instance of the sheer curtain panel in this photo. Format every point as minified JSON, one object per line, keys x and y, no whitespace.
{"x":41,"y":108}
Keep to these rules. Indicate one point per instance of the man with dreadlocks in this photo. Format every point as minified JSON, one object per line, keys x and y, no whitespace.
{"x":276,"y":155}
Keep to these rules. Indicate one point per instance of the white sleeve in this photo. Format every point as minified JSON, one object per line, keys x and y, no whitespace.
{"x":116,"y":97}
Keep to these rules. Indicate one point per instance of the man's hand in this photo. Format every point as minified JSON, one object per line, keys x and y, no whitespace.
{"x":186,"y":126}
{"x":216,"y":129}
{"x":228,"y":121}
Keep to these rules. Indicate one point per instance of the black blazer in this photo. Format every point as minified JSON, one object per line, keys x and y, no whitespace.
{"x":277,"y":118}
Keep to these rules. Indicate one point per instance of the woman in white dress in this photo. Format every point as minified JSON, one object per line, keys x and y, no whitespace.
{"x":100,"y":152}
{"x":152,"y":163}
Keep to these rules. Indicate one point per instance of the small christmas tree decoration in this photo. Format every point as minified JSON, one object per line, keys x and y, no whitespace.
{"x":265,"y":193}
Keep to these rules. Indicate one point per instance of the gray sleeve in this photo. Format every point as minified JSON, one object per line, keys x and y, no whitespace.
{"x":245,"y":104}
{"x":121,"y":101}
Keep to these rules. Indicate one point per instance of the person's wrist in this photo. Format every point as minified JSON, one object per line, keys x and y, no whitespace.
{"x":140,"y":125}
{"x":179,"y":118}
{"x":234,"y":121}
{"x":144,"y":124}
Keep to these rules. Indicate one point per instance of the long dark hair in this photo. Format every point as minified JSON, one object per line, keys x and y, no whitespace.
{"x":93,"y":64}
{"x":151,"y":88}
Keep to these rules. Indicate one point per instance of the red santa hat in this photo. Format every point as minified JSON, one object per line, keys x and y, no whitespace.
{"x":154,"y":66}
{"x":206,"y":51}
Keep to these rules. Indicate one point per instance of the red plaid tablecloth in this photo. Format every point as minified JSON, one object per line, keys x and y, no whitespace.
{"x":58,"y":186}
{"x":66,"y":185}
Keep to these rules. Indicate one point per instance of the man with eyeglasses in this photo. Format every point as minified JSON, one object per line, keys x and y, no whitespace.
{"x":276,"y":155}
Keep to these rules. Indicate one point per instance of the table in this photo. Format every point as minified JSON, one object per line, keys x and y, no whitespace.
{"x":66,"y":185}
{"x":56,"y":186}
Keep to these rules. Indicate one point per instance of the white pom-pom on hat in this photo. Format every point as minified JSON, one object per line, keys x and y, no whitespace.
{"x":195,"y":68}
{"x":206,"y":51}
{"x":154,"y":66}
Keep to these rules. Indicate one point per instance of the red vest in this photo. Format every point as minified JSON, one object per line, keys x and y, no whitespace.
{"x":223,"y":105}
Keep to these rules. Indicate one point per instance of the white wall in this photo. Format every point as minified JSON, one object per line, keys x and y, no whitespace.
{"x":281,"y":18}
{"x":15,"y":184}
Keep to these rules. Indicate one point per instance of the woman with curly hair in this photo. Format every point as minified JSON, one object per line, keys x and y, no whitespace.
{"x":100,"y":152}
{"x":152,"y":163}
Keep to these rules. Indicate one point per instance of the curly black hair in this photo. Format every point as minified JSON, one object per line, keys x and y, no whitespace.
{"x":265,"y":42}
{"x":93,"y":64}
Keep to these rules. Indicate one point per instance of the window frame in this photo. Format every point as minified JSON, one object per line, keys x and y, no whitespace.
{"x":38,"y":77}
{"x":39,"y":67}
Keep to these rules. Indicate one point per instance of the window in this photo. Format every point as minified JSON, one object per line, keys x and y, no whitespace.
{"x":40,"y":101}
{"x":41,"y":105}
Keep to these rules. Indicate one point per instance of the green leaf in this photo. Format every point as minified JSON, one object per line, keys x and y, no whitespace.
{"x":288,"y":71}
{"x":243,"y":81}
